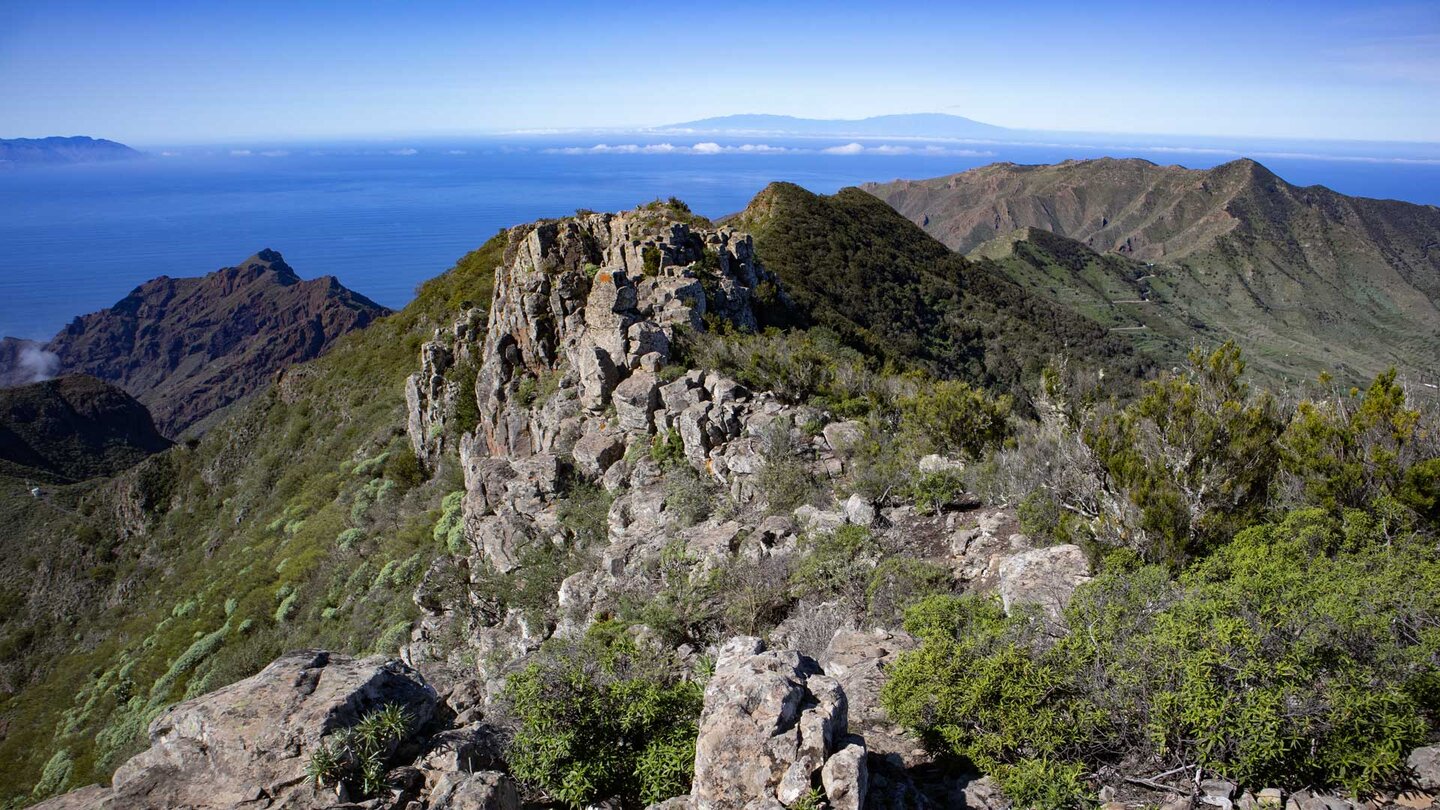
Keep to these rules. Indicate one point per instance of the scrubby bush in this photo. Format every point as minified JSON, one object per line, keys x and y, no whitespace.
{"x":356,"y":757}
{"x":688,"y":497}
{"x":785,"y":478}
{"x":957,"y":419}
{"x":1302,"y":652}
{"x":837,"y":564}
{"x":608,"y":718}
{"x":583,"y":511}
{"x":899,"y":582}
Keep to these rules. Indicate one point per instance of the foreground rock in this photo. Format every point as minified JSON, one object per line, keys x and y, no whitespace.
{"x":248,"y":744}
{"x":774,"y":727}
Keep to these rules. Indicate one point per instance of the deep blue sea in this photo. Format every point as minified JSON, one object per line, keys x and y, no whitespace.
{"x":385,"y":216}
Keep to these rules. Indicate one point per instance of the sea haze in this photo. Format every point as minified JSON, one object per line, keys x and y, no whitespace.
{"x":385,"y":216}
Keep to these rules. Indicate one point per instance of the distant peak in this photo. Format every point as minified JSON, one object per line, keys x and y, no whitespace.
{"x":271,"y":260}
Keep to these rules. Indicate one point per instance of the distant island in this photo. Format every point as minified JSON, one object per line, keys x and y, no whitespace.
{"x":916,"y":125}
{"x":75,"y":149}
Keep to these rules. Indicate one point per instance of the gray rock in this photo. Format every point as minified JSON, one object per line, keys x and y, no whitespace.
{"x":1425,"y":764}
{"x":843,"y":437}
{"x":770,"y":723}
{"x":254,"y":738}
{"x":859,"y":511}
{"x":483,"y":790}
{"x":596,"y":451}
{"x":845,"y":778}
{"x":635,"y":399}
{"x":815,"y":520}
{"x":934,"y":463}
{"x":1046,"y":577}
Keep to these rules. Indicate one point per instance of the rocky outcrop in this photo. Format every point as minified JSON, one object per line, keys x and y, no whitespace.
{"x":248,"y":744}
{"x":774,"y":728}
{"x":1045,"y":577}
{"x":187,"y":347}
{"x":432,"y":393}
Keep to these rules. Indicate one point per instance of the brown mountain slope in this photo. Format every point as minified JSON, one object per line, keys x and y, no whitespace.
{"x":1306,"y":278}
{"x":187,"y":347}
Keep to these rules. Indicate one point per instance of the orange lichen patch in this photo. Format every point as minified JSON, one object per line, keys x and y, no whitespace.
{"x":603,"y":276}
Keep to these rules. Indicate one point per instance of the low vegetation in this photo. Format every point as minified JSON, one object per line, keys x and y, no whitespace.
{"x":611,"y":717}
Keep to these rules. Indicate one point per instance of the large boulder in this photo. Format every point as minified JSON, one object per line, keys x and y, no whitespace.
{"x":1046,"y":577}
{"x":772,"y":721}
{"x":248,"y":744}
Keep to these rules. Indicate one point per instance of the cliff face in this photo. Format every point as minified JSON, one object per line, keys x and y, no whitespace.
{"x":187,"y":347}
{"x":1305,"y":278}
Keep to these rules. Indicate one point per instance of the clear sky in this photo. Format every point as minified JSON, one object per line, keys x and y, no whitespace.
{"x":183,"y":72}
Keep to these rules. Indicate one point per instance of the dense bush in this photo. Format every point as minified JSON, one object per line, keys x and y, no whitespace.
{"x":608,"y":718}
{"x":1302,"y":652}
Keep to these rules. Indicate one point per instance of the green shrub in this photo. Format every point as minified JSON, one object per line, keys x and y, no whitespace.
{"x":604,"y":718}
{"x":1195,"y":456}
{"x":650,"y":256}
{"x":837,"y":564}
{"x":688,"y":497}
{"x":356,"y":757}
{"x":584,"y":511}
{"x":668,"y":449}
{"x":934,"y":491}
{"x":1301,"y":653}
{"x":785,"y":478}
{"x":449,"y":531}
{"x":899,"y":582}
{"x":957,"y":419}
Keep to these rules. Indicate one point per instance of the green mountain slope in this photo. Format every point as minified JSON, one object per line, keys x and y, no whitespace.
{"x":300,"y":520}
{"x":1306,"y":279}
{"x":854,"y":265}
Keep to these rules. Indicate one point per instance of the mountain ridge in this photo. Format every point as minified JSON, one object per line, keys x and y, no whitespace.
{"x":187,"y":347}
{"x":1306,"y":277}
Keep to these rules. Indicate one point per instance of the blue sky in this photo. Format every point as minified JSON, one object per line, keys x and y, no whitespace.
{"x":174,"y":73}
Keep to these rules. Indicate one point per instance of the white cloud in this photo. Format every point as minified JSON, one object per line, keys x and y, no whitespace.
{"x":275,"y":153}
{"x":240,"y":152}
{"x":847,"y":149}
{"x":407,"y":152}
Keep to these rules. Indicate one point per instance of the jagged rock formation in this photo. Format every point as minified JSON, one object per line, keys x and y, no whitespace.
{"x":774,"y":727}
{"x":73,"y":428}
{"x":1306,"y":279}
{"x":187,"y":347}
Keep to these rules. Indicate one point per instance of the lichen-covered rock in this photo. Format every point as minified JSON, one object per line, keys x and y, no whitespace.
{"x":771,"y":722}
{"x":1046,"y":577}
{"x":482,"y":790}
{"x":1424,"y":763}
{"x":247,"y":744}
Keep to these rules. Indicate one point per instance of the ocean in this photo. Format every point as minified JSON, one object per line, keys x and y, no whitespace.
{"x":383,"y":217}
